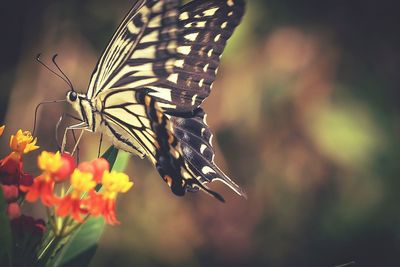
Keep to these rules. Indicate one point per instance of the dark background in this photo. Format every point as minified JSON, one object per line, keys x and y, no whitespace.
{"x":306,"y":116}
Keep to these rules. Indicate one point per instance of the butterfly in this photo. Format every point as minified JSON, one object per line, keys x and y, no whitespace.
{"x":146,"y":89}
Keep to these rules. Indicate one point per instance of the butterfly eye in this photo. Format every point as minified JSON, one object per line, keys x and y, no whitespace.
{"x":72,"y":96}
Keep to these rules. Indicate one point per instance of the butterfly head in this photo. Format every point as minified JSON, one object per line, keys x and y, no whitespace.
{"x":77,"y":101}
{"x":72,"y":97}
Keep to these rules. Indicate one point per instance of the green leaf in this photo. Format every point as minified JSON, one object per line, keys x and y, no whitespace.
{"x":5,"y":233}
{"x":121,"y":162}
{"x":111,"y":155}
{"x":82,"y":246}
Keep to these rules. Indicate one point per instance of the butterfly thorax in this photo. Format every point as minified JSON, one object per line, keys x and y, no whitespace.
{"x":83,"y":106}
{"x":90,"y":111}
{"x":111,"y":119}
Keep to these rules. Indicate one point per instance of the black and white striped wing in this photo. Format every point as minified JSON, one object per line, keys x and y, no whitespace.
{"x":184,"y":156}
{"x":171,"y":54}
{"x":141,"y":51}
{"x":195,"y":139}
{"x":204,"y":28}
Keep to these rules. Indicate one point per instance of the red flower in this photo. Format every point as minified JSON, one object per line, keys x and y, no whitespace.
{"x":42,"y":187}
{"x":109,"y":212}
{"x":94,"y":203}
{"x":86,"y":167}
{"x":56,"y":168}
{"x":66,"y":169}
{"x":98,"y":205}
{"x":11,"y":169}
{"x":100,"y":166}
{"x":71,"y":205}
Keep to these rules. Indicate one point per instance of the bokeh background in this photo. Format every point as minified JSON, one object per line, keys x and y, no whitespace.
{"x":306,"y":115}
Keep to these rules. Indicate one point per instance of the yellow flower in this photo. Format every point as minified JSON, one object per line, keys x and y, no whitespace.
{"x":23,"y":142}
{"x":115,"y":182}
{"x":82,"y":181}
{"x":49,"y":162}
{"x":2,"y":130}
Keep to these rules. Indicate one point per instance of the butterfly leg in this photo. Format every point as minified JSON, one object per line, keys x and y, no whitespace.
{"x":59,"y":124}
{"x":80,"y":126}
{"x":76,"y":147}
{"x":100,"y":143}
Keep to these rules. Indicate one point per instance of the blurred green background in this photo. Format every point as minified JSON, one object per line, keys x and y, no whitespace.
{"x":306,"y":116}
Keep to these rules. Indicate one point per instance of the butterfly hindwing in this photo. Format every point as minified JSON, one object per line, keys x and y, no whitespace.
{"x":176,"y":170}
{"x":195,"y":140}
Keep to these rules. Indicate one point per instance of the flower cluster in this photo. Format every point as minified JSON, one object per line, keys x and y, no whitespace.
{"x":26,"y":232}
{"x":82,"y":198}
{"x":12,"y":175}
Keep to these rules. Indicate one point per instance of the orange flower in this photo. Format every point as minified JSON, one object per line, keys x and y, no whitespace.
{"x":97,"y":205}
{"x":82,"y":181}
{"x":58,"y":166}
{"x":104,"y":203}
{"x":23,"y":142}
{"x":82,"y":198}
{"x":109,"y":212}
{"x":94,"y":203}
{"x":11,"y":167}
{"x":71,"y":204}
{"x":42,"y":187}
{"x":97,"y":167}
{"x":115,"y":182}
{"x":49,"y":162}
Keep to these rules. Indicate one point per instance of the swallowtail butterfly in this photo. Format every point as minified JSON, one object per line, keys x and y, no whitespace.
{"x":146,"y":90}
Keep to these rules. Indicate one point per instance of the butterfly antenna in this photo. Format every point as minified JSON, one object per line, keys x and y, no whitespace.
{"x":52,"y":71}
{"x":66,"y":77}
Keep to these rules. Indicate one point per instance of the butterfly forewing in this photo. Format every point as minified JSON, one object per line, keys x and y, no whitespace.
{"x":204,"y":28}
{"x":139,"y":50}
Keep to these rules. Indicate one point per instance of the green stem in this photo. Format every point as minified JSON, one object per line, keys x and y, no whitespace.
{"x":75,"y":227}
{"x":48,"y":250}
{"x":54,"y":241}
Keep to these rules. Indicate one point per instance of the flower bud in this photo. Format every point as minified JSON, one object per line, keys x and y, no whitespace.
{"x":66,"y":169}
{"x":86,"y":167}
{"x":100,"y":165}
{"x":13,"y":210}
{"x":10,"y":192}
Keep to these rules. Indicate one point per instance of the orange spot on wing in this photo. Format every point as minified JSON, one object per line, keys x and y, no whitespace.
{"x":168,"y":179}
